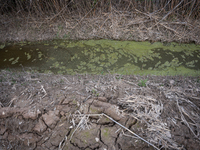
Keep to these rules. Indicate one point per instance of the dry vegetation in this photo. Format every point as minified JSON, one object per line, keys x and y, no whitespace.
{"x":46,"y":111}
{"x":139,"y":20}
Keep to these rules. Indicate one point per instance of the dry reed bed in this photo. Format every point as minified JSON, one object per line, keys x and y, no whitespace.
{"x":165,"y":20}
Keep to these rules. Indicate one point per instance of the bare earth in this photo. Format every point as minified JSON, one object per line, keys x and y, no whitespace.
{"x":46,"y":111}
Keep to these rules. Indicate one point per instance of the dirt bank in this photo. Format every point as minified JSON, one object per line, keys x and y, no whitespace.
{"x":117,"y":25}
{"x":135,"y":20}
{"x":46,"y":111}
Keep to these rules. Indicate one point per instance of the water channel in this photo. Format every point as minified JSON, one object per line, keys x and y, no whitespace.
{"x":102,"y":57}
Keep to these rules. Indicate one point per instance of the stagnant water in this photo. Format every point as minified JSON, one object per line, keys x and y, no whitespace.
{"x":102,"y":57}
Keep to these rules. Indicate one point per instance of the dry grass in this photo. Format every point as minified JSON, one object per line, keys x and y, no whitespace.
{"x":148,"y":110}
{"x":165,"y":20}
{"x":180,"y":108}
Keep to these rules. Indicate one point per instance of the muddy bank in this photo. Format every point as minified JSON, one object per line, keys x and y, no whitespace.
{"x":46,"y":111}
{"x":136,"y":26}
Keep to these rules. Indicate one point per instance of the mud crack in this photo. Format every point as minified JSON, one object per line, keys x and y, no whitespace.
{"x":100,"y":137}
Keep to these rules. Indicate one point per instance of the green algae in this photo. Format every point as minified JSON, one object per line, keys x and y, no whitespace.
{"x":109,"y":56}
{"x":55,"y":65}
{"x":164,"y":72}
{"x":139,"y":47}
{"x":40,"y":54}
{"x":11,"y":59}
{"x":15,"y":61}
{"x":2,"y":46}
{"x":158,"y":64}
{"x":28,"y":56}
{"x":55,"y":47}
{"x":191,"y":63}
{"x":33,"y":60}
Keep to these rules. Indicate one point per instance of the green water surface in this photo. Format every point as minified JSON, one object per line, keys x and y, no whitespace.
{"x":102,"y":57}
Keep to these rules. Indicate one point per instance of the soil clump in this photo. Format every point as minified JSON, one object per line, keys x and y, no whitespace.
{"x":46,"y":111}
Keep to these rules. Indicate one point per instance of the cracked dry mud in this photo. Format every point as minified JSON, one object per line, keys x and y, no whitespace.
{"x":46,"y":111}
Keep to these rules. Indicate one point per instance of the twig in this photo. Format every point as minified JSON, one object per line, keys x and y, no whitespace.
{"x":1,"y":104}
{"x":131,"y":83}
{"x":85,"y":15}
{"x":164,"y":17}
{"x":87,"y":98}
{"x":149,"y":15}
{"x":84,"y":116}
{"x":82,"y":119}
{"x":170,"y":11}
{"x":10,"y":103}
{"x":104,"y":22}
{"x":45,"y":93}
{"x":56,"y":14}
{"x":170,"y":29}
{"x":130,"y":131}
{"x":184,"y":120}
{"x":62,"y":143}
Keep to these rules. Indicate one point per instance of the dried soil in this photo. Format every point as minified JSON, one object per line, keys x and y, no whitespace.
{"x":47,"y":111}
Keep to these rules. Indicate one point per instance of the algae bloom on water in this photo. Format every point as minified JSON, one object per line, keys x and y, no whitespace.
{"x":104,"y":56}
